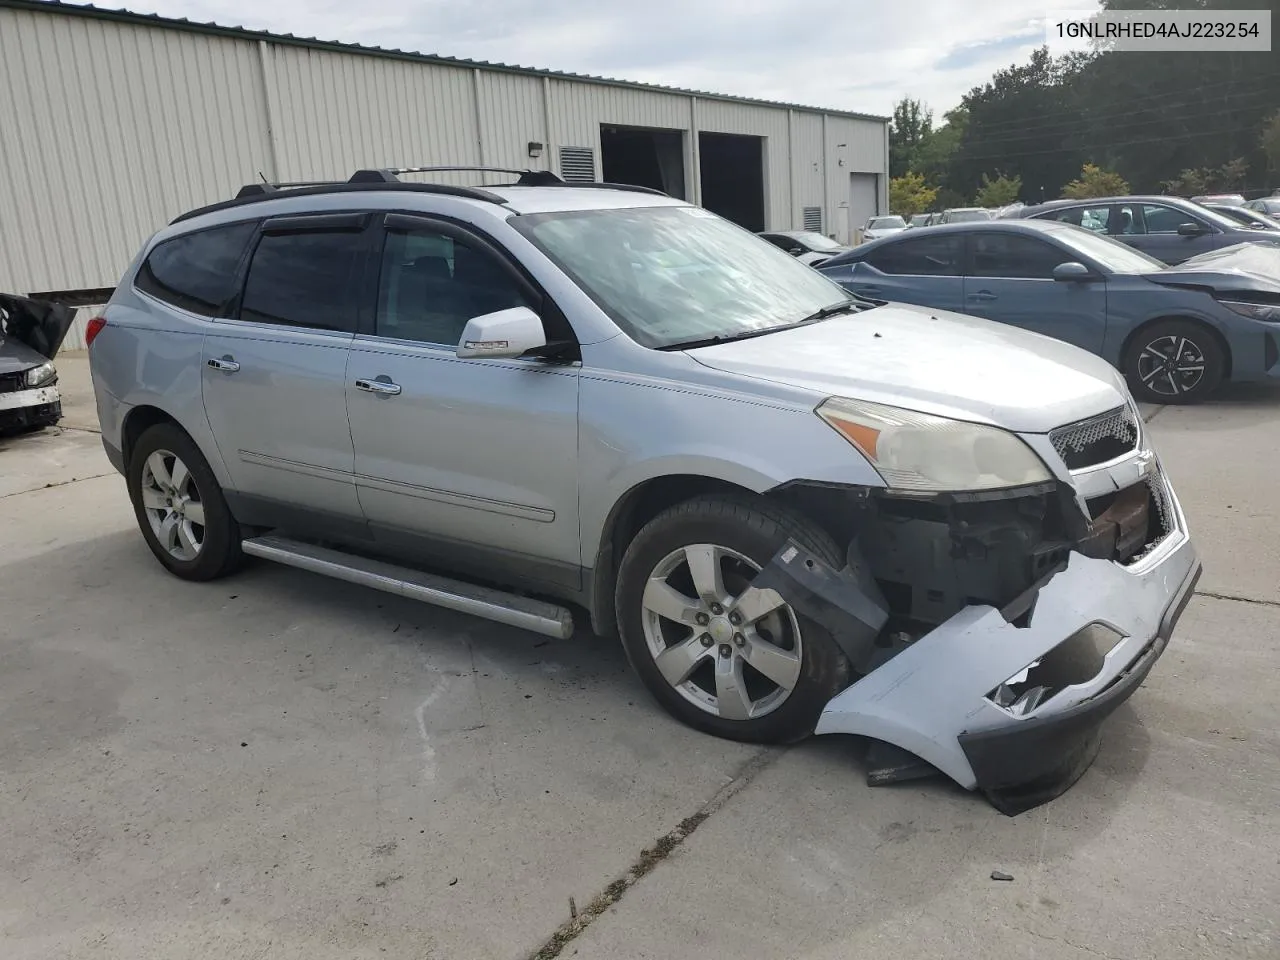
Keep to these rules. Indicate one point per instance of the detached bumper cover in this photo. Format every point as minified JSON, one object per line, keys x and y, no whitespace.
{"x":934,"y":698}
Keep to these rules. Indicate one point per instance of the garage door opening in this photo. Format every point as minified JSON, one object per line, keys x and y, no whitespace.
{"x":643,"y":157}
{"x":733,"y":177}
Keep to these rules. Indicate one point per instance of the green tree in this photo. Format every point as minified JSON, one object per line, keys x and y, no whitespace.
{"x":908,"y":195}
{"x":1095,"y":182}
{"x":911,"y":126}
{"x":936,"y":151}
{"x":1230,"y":176}
{"x":999,"y":192}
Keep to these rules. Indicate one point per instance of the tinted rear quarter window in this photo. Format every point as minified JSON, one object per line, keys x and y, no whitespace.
{"x":196,"y":271}
{"x":920,"y":256}
{"x":304,"y":279}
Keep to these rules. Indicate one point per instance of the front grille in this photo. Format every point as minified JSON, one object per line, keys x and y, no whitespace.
{"x":12,"y":382}
{"x":1087,"y":443}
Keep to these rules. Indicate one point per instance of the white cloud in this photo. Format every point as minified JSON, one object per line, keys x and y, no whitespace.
{"x":858,"y":55}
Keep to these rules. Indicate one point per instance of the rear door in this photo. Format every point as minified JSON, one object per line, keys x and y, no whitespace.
{"x":471,"y":461}
{"x":274,"y":372}
{"x":922,"y":269}
{"x":1009,"y":278}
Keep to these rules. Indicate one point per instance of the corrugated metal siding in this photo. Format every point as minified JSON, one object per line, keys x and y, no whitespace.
{"x":806,"y":147}
{"x":110,"y":131}
{"x":138,"y":124}
{"x":339,"y":112}
{"x":511,"y":116}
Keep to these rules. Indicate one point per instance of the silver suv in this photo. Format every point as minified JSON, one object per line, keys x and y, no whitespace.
{"x":799,"y":511}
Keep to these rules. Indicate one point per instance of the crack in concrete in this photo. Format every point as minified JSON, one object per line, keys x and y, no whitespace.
{"x":1228,"y":596}
{"x":1155,"y":413}
{"x":60,"y":483}
{"x":650,"y":857}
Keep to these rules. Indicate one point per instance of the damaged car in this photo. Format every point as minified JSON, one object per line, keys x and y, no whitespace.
{"x":798,"y":510}
{"x":31,"y":332}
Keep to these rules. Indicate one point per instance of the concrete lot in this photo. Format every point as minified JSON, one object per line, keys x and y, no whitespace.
{"x":280,"y":766}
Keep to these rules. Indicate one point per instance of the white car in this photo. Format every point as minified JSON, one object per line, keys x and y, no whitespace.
{"x":878,"y":227}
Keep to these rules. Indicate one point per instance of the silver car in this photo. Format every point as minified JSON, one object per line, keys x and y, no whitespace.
{"x":799,"y":511}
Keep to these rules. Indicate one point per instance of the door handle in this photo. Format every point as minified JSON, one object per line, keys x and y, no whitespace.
{"x":225,"y":364}
{"x":983,"y":295}
{"x":384,"y":387}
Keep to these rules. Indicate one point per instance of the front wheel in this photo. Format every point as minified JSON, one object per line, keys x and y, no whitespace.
{"x":721,"y":655}
{"x":1174,"y":361}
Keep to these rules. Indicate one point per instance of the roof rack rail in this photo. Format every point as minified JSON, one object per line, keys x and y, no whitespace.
{"x":392,"y":174}
{"x":388,"y":178}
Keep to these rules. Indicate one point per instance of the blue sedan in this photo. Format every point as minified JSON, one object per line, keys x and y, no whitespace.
{"x":1175,"y":332}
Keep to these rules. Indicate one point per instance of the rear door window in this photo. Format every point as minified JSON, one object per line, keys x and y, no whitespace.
{"x":1095,"y":218}
{"x":197,"y":271}
{"x":305,"y":279}
{"x":937,"y":256}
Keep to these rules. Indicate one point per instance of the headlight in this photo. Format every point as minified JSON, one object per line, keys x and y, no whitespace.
{"x":918,"y":451}
{"x":1269,"y":312}
{"x":42,"y":375}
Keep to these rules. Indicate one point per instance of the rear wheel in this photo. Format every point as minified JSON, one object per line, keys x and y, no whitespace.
{"x":719,"y":654}
{"x":1174,"y":361}
{"x":179,"y":505}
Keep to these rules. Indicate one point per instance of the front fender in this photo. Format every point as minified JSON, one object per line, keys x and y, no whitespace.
{"x":631,"y":432}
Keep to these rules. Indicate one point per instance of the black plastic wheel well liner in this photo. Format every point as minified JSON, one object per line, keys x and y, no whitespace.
{"x":628,"y":515}
{"x":1218,"y":338}
{"x":137,"y":422}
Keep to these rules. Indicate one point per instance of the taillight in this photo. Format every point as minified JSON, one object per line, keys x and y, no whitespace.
{"x":92,"y":329}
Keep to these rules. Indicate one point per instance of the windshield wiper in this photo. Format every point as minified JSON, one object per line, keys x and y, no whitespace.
{"x":830,"y":310}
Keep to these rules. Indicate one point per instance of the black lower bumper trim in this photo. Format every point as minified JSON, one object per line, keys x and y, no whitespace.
{"x":41,"y":415}
{"x":1023,"y":764}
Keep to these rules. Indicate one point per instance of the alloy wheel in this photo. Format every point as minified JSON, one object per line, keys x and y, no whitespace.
{"x":173,"y":505}
{"x":1172,"y":365}
{"x":731,"y":649}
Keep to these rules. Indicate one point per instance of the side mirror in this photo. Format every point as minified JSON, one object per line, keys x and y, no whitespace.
{"x":505,"y":334}
{"x":796,"y":251}
{"x":1190,"y":229}
{"x":1072,"y":271}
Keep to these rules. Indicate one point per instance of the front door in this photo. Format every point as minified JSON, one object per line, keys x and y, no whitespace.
{"x":472,"y":461}
{"x":1009,"y":278}
{"x":274,"y":374}
{"x":1153,"y":229}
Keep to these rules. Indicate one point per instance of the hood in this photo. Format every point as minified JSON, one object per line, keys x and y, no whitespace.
{"x":39,"y":326}
{"x":935,"y":362}
{"x":1252,"y":267}
{"x":16,"y":356}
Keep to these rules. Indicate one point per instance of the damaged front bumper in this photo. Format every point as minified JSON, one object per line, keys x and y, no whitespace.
{"x":1008,"y":700}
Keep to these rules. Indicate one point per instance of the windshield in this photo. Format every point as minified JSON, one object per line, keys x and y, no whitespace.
{"x":816,"y":241}
{"x":966,"y":216}
{"x":885,"y":223}
{"x":667,"y":275}
{"x":1109,"y":254}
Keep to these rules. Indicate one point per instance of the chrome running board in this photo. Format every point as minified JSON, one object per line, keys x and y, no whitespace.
{"x":540,"y":617}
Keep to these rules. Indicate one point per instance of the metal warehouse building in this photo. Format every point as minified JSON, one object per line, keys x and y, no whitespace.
{"x":116,"y":122}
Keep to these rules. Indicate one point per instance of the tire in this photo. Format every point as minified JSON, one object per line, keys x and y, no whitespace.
{"x":1175,"y":362}
{"x":187,"y":548}
{"x":747,"y":533}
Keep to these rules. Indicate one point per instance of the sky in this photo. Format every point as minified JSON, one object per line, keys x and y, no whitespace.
{"x":860,"y":55}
